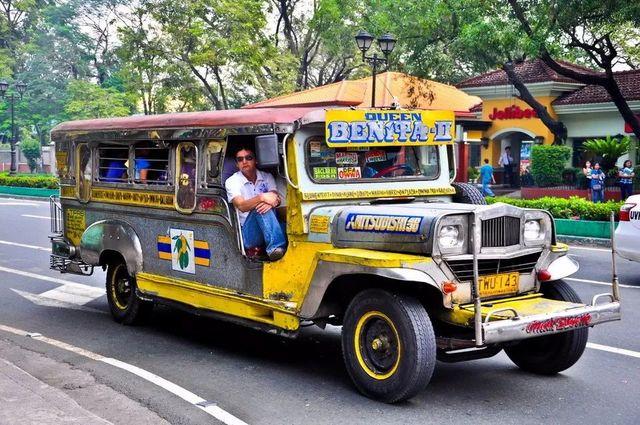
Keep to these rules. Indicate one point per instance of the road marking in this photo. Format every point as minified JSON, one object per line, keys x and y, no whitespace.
{"x":210,"y":407}
{"x":26,"y":204}
{"x":46,"y":217}
{"x":598,"y":282}
{"x":615,"y":350}
{"x":39,"y":276}
{"x":21,"y":245}
{"x":585,"y":248}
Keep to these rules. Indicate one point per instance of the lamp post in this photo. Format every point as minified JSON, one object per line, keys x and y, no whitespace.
{"x":19,"y":87}
{"x":386,"y":42}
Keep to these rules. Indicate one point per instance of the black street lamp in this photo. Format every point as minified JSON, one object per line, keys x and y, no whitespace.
{"x":19,"y":87}
{"x":386,"y":43}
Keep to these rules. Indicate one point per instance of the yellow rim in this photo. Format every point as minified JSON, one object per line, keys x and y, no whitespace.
{"x":114,"y":295}
{"x":360,"y":326}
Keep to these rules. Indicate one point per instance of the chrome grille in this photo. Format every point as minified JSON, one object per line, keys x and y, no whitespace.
{"x":463,"y":269}
{"x":501,"y":231}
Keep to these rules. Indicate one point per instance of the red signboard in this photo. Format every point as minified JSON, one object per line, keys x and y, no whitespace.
{"x":512,"y":112}
{"x":627,"y":126}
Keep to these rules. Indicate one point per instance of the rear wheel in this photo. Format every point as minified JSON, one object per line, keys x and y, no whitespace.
{"x":388,"y":345}
{"x":548,"y":355}
{"x":126,"y":307}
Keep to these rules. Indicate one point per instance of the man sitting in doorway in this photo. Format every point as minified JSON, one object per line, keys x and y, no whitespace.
{"x":254,"y":194}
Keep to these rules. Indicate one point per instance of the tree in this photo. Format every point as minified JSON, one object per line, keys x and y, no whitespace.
{"x":31,"y":150}
{"x":87,"y":100}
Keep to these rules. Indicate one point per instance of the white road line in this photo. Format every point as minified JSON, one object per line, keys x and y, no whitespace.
{"x":46,"y":217}
{"x":210,"y":407}
{"x":614,"y":350}
{"x":598,"y":282}
{"x":26,"y":204}
{"x":21,"y":245}
{"x":39,"y":277}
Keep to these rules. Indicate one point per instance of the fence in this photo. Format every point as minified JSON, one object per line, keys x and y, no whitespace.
{"x":47,"y":164}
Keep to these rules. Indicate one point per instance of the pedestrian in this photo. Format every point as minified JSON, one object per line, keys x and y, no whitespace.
{"x":597,"y":183}
{"x":626,"y":175}
{"x":586,"y":170}
{"x":506,"y":161}
{"x":486,"y":177}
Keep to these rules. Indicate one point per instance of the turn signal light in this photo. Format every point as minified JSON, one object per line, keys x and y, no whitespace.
{"x":624,"y":211}
{"x":544,"y":275}
{"x":449,"y":287}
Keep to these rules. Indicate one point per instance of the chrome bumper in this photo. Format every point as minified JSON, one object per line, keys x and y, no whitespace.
{"x":518,"y":328}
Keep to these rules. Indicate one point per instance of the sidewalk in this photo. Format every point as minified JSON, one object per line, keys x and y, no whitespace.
{"x":35,"y":389}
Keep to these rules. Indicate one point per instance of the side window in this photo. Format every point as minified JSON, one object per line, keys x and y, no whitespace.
{"x":214,"y":156}
{"x":112,"y":160}
{"x":186,"y":172}
{"x":150,"y":163}
{"x":84,"y":172}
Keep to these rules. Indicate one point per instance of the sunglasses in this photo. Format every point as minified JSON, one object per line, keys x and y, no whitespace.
{"x":244,"y":158}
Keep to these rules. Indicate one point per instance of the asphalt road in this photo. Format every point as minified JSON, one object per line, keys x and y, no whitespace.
{"x":263,"y":379}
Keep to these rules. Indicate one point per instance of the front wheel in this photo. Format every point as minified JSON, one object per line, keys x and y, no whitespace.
{"x":388,"y":345}
{"x":548,"y":355}
{"x":125,"y":306}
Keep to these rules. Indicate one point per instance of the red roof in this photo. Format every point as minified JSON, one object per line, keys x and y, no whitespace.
{"x":531,"y":71}
{"x":226,"y":118}
{"x":628,"y":81}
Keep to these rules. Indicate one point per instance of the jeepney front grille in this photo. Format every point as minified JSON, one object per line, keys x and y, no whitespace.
{"x":500,"y":231}
{"x":463,"y":269}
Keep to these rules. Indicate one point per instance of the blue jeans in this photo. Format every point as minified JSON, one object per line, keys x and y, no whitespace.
{"x":263,"y":229}
{"x":597,"y":195}
{"x":626,"y":190}
{"x":486,"y":190}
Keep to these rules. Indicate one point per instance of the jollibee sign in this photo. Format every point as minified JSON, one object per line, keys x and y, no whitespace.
{"x":349,"y":128}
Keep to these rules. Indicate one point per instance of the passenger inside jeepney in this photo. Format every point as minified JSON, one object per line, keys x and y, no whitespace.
{"x":255,"y":196}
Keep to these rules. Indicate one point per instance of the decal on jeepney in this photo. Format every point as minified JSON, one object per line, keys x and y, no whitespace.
{"x":319,"y":224}
{"x":375,"y":156}
{"x":75,"y":223}
{"x":376,"y":193}
{"x":183,"y":251}
{"x":325,"y":173}
{"x":349,"y":173}
{"x":346,"y":158}
{"x":558,"y":324}
{"x":382,"y":223}
{"x":346,"y":128}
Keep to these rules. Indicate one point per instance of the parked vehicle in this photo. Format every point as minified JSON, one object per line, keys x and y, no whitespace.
{"x":414,"y":267}
{"x":628,"y":232}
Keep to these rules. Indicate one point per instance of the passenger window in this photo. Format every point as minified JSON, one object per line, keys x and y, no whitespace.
{"x":84,"y":172}
{"x":150,"y":163}
{"x":112,"y":160}
{"x":215,"y":152}
{"x":186,"y":172}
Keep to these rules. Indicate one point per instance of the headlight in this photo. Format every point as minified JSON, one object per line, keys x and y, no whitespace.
{"x":449,"y":237}
{"x":533,"y":230}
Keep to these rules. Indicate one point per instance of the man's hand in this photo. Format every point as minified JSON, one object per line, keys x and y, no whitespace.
{"x":270,"y":198}
{"x":263,"y":208}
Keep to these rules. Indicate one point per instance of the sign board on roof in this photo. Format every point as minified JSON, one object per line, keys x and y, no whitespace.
{"x":348,"y":128}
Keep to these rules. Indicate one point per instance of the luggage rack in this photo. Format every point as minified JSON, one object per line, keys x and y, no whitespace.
{"x":62,"y":257}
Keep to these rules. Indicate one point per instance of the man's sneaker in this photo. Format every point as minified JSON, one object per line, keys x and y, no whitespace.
{"x":276,"y":254}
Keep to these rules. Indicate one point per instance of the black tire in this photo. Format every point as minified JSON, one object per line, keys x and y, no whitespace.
{"x":466,"y":193}
{"x":126,"y":307}
{"x":388,"y":345}
{"x":548,"y":355}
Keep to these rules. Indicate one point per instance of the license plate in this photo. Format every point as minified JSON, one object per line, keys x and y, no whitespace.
{"x":498,"y":284}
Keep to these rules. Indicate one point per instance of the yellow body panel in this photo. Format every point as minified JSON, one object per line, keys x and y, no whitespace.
{"x":366,"y":257}
{"x":527,"y":305}
{"x":220,"y":300}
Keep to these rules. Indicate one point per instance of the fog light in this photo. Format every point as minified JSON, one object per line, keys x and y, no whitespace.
{"x":544,"y":275}
{"x":449,"y":287}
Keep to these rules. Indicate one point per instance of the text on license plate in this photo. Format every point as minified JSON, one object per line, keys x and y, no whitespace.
{"x":498,"y":284}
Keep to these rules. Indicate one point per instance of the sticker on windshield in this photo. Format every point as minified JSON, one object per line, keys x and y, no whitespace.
{"x":346,"y":158}
{"x":325,"y":173}
{"x":349,"y":173}
{"x":315,"y":149}
{"x":376,"y":156}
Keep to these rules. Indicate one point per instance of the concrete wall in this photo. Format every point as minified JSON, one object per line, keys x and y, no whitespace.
{"x":48,"y":158}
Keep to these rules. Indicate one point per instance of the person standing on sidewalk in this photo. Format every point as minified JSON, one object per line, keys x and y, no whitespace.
{"x":597,"y":183}
{"x":486,"y":177}
{"x":626,"y":175}
{"x":506,"y":161}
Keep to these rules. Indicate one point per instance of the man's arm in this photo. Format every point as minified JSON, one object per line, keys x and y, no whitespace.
{"x":246,"y":205}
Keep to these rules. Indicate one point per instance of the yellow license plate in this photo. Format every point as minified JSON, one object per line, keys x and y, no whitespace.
{"x":498,"y":284}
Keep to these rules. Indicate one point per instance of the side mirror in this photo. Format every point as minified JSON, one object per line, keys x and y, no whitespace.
{"x":267,"y":150}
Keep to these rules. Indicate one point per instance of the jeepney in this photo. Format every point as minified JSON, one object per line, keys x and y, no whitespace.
{"x":415,"y":268}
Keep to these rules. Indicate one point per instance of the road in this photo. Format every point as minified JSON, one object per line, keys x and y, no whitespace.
{"x":263,"y":379}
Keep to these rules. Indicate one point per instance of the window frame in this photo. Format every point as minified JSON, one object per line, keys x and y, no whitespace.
{"x":177,"y":168}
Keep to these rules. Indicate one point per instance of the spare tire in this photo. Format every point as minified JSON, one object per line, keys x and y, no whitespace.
{"x":466,"y":193}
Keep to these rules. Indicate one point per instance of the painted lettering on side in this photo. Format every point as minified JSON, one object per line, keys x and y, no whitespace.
{"x":382,"y":223}
{"x":558,"y":324}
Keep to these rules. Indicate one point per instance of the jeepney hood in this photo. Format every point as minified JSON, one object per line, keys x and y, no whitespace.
{"x":385,"y":227}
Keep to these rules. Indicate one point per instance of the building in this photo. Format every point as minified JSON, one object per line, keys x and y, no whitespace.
{"x":587,"y":112}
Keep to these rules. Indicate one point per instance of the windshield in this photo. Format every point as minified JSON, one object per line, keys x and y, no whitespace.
{"x":344,"y":165}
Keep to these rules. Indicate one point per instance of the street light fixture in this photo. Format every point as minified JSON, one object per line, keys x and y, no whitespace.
{"x":386,"y":43}
{"x":20,"y":87}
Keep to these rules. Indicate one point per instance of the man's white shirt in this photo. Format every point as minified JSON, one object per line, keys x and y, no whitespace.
{"x":238,"y":185}
{"x":505,"y":159}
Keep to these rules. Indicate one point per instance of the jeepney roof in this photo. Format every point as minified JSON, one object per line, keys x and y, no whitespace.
{"x":204,"y":119}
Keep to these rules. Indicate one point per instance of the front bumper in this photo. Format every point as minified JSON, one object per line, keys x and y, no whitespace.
{"x":523,"y":327}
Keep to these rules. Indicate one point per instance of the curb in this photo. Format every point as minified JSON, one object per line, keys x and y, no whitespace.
{"x":23,"y":198}
{"x":584,"y":241}
{"x":34,"y":192}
